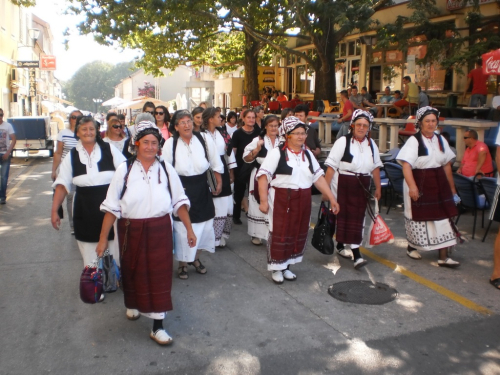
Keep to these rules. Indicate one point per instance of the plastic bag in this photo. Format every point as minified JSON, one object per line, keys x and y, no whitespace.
{"x":378,"y":230}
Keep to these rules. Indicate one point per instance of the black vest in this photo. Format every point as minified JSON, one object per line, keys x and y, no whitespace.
{"x":105,"y":164}
{"x":347,"y":157}
{"x":422,"y":150}
{"x":284,"y":168}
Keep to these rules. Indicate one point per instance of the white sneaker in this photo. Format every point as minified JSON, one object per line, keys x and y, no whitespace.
{"x":345,"y":253}
{"x":222,"y":242}
{"x":360,"y":262}
{"x":448,"y":262}
{"x":256,"y":241}
{"x":161,"y":337}
{"x":413,"y":254}
{"x":289,"y":275}
{"x":101,"y":298}
{"x":133,"y":314}
{"x":277,"y":277}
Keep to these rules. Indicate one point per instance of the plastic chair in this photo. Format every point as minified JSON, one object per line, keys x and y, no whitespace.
{"x":255,"y":103}
{"x":467,"y":190}
{"x":328,"y":108}
{"x":394,"y":172}
{"x":274,"y":107}
{"x":409,"y":129}
{"x":286,"y":104}
{"x":313,"y":114}
{"x":489,"y":187}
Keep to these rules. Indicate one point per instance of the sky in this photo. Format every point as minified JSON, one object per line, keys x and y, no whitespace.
{"x":68,"y":62}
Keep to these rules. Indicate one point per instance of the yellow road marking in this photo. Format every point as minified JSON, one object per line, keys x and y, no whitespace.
{"x":22,"y":177}
{"x":429,"y":284}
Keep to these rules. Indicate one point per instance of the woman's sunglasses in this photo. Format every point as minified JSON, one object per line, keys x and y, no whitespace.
{"x":117,"y":126}
{"x":159,"y":113}
{"x":74,"y":117}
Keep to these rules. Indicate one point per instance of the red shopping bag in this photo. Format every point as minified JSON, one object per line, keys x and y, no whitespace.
{"x":379,"y":231}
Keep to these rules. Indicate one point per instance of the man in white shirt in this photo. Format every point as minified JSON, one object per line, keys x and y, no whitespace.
{"x":7,"y":143}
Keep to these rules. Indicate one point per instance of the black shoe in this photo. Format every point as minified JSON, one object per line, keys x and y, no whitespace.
{"x":3,"y":201}
{"x":237,"y":221}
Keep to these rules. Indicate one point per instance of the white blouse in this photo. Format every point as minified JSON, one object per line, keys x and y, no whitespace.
{"x":118,"y":144}
{"x":93,"y":177}
{"x":301,"y":177}
{"x":190,"y":158}
{"x":435,"y":159}
{"x":145,"y":197}
{"x":220,"y":146}
{"x":253,"y":145}
{"x":362,"y":162}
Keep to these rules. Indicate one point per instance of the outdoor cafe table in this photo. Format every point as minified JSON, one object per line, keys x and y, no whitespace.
{"x":385,"y":106}
{"x":460,"y":124}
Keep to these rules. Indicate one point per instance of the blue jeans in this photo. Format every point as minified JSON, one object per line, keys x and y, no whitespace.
{"x":4,"y":176}
{"x":344,"y":129}
{"x":475,"y":99}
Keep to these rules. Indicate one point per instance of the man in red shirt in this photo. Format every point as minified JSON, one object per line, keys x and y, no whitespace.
{"x":479,"y":87}
{"x":282,"y":97}
{"x":347,"y":110}
{"x":477,"y":158}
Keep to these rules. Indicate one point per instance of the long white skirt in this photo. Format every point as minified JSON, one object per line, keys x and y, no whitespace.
{"x":87,"y":249}
{"x":205,"y":240}
{"x":426,"y":235}
{"x":223,"y":220}
{"x":258,"y":223}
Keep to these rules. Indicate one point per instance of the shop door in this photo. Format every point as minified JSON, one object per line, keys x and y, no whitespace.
{"x":375,"y":82}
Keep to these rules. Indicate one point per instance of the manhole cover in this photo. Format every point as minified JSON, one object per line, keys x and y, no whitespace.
{"x":362,"y":292}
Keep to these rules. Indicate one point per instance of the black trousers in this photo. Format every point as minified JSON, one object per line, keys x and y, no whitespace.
{"x":239,"y":193}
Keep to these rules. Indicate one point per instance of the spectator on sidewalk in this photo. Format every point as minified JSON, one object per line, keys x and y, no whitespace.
{"x":479,"y":86}
{"x":477,"y":157}
{"x":7,"y":143}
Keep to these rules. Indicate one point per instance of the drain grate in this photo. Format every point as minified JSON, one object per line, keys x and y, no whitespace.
{"x":362,"y":292}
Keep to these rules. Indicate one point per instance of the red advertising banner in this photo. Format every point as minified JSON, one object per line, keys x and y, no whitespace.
{"x":491,"y":63}
{"x":48,"y":62}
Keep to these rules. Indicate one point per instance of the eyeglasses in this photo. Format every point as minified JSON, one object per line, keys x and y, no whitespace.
{"x":184,"y":123}
{"x":150,"y":112}
{"x":159,"y":113}
{"x":466,"y":137}
{"x":364,"y":126}
{"x":74,"y":117}
{"x":117,"y":126}
{"x":299,"y":134}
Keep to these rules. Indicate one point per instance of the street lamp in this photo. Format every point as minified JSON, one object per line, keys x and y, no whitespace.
{"x":34,"y":34}
{"x":97,"y":102}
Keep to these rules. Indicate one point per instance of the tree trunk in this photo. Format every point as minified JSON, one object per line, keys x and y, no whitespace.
{"x":251,"y":63}
{"x":325,"y":84}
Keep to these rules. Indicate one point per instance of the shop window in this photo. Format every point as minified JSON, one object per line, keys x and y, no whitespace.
{"x":352,"y":49}
{"x":343,"y":49}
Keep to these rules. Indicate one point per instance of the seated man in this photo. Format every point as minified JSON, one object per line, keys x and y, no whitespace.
{"x":410,"y":95}
{"x":423,"y":99}
{"x":356,"y":98}
{"x":312,"y":141}
{"x":387,"y":98}
{"x":393,"y":110}
{"x":347,"y":110}
{"x":368,"y":102}
{"x":281,"y":97}
{"x":477,"y":158}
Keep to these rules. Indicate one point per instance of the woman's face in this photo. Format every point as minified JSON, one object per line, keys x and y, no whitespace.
{"x":249,"y":119}
{"x":115,"y":126}
{"x":216,"y":119}
{"x":148,"y":147}
{"x":159,"y":114}
{"x":72,"y":118}
{"x":86,"y":132}
{"x":198,"y":120}
{"x":272,"y":128}
{"x":297,"y":137}
{"x":185,"y":127}
{"x":429,"y":124}
{"x":361,"y":127}
{"x":232,"y":121}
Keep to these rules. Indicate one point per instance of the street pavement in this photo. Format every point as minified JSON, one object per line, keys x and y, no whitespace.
{"x":234,"y":319}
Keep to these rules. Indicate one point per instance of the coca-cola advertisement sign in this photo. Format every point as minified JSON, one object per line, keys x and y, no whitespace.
{"x":491,"y":63}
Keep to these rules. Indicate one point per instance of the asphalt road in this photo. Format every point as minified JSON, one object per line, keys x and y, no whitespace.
{"x":234,"y":319}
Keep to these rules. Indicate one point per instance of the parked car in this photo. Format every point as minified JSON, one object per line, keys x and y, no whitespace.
{"x":34,"y":133}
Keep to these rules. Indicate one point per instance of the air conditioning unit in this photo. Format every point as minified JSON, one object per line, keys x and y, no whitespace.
{"x":13,"y":74}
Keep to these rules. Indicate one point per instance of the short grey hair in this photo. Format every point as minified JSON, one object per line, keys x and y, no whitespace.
{"x":145,"y":116}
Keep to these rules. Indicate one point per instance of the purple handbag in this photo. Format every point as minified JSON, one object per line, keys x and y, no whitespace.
{"x":91,"y":284}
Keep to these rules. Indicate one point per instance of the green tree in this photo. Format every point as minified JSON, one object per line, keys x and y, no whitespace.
{"x":95,"y":80}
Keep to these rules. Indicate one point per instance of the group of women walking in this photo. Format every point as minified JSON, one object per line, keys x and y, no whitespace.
{"x":188,"y":180}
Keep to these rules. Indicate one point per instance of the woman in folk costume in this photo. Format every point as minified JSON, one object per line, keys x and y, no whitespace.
{"x":258,"y":223}
{"x":223,"y":202}
{"x":353,"y":160}
{"x":143,"y":194}
{"x":90,"y":166}
{"x":191,"y":154}
{"x":429,"y":190}
{"x":291,"y":170}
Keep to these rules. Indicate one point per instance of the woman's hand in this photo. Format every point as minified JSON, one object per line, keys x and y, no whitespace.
{"x":334,"y":206}
{"x":218,"y":190}
{"x":260,"y":143}
{"x":101,"y":247}
{"x":264,"y":206}
{"x":53,"y":175}
{"x":191,"y":238}
{"x":378,"y":193}
{"x":55,"y":220}
{"x":414,"y":194}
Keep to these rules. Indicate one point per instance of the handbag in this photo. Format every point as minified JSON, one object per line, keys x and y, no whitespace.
{"x":91,"y":283}
{"x":212,"y":181}
{"x":323,"y":231}
{"x":379,"y":231}
{"x":110,"y":273}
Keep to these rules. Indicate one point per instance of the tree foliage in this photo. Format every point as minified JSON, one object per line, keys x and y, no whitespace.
{"x":95,"y":80}
{"x":25,"y":3}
